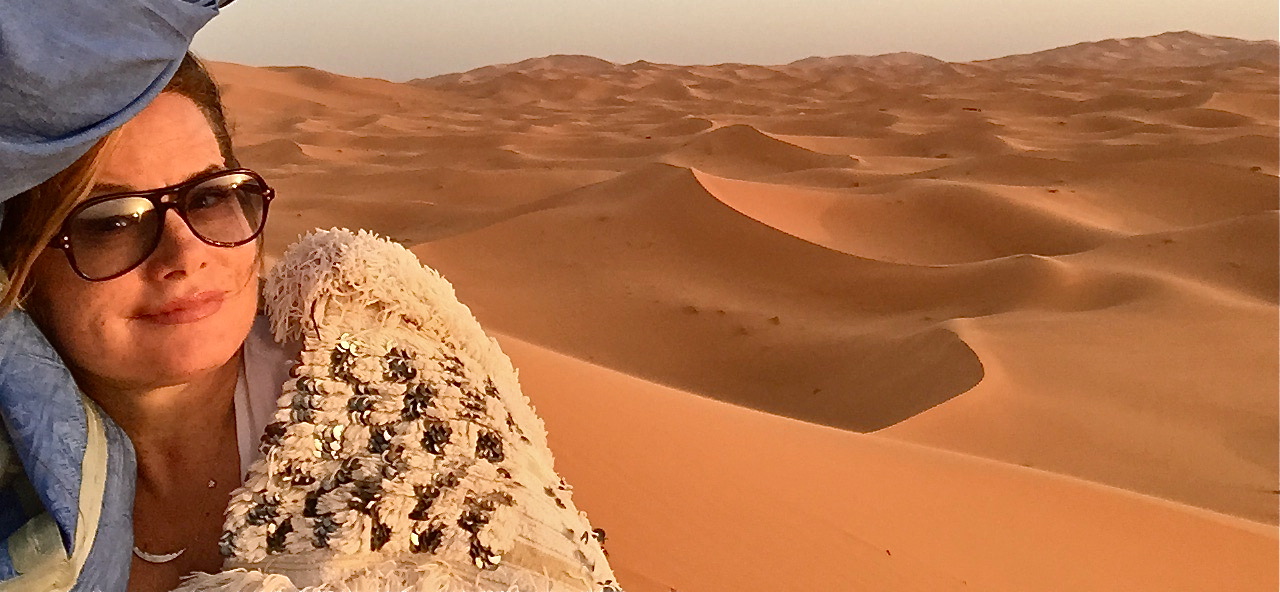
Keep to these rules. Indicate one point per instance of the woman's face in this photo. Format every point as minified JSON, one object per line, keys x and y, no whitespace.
{"x":185,"y":310}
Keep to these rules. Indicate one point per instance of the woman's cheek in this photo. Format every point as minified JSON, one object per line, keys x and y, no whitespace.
{"x":89,"y":332}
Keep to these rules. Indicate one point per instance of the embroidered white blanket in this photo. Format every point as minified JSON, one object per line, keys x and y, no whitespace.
{"x":403,"y":455}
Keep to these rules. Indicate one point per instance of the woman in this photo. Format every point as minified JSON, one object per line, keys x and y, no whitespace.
{"x":139,"y":264}
{"x":152,"y":327}
{"x":148,"y":286}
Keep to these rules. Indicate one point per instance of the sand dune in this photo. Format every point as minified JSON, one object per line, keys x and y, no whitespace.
{"x":848,"y":123}
{"x":681,"y":127}
{"x":1211,"y":118}
{"x":814,"y":508}
{"x":741,"y":150}
{"x":857,"y":322}
{"x":279,"y":151}
{"x":1256,"y":106}
{"x":951,"y":223}
{"x":682,"y":248}
{"x":1169,"y":50}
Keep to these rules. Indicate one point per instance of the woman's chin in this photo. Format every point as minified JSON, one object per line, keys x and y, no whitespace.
{"x":165,"y":368}
{"x":181,"y":352}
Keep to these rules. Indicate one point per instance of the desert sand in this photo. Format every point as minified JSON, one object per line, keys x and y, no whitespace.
{"x":852,"y":323}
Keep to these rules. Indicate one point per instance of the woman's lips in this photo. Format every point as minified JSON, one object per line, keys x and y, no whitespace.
{"x":181,"y":311}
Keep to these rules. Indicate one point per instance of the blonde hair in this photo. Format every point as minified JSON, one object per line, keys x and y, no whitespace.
{"x":32,"y":220}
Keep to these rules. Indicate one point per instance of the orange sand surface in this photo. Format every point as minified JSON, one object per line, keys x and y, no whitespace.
{"x":852,"y":323}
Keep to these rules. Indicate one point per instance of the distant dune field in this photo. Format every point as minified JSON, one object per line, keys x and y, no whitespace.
{"x":853,"y":323}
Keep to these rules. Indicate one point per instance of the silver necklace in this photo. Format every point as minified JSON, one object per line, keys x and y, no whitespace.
{"x":153,"y":558}
{"x":163,"y":557}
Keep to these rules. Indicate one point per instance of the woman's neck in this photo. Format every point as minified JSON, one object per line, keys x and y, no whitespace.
{"x":173,"y":427}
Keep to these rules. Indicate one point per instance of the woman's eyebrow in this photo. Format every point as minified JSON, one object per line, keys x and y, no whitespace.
{"x":104,"y":188}
{"x":110,"y":188}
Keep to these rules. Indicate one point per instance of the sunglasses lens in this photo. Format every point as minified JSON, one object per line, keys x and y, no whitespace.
{"x":113,"y":235}
{"x":229,"y":209}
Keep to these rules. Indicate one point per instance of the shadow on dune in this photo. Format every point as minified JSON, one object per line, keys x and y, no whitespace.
{"x":701,"y":297}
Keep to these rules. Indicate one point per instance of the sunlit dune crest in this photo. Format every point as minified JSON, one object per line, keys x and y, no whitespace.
{"x":854,"y":322}
{"x":1173,"y":49}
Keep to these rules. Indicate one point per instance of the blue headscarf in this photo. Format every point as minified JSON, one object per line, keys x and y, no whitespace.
{"x":73,"y":70}
{"x":70,"y":72}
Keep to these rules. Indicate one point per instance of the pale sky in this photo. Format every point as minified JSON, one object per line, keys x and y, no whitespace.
{"x":403,"y":39}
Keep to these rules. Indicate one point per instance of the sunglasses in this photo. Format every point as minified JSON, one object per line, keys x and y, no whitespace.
{"x":108,"y":236}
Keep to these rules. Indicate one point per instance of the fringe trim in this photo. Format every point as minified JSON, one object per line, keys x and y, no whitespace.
{"x":392,"y":576}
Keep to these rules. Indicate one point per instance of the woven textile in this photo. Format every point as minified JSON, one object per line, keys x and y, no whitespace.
{"x":66,"y":475}
{"x":403,"y":455}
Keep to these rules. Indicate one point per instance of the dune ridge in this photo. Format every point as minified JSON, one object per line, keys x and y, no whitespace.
{"x":1006,"y":325}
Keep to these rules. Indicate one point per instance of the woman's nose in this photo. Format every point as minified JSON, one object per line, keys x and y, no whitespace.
{"x":180,"y":252}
